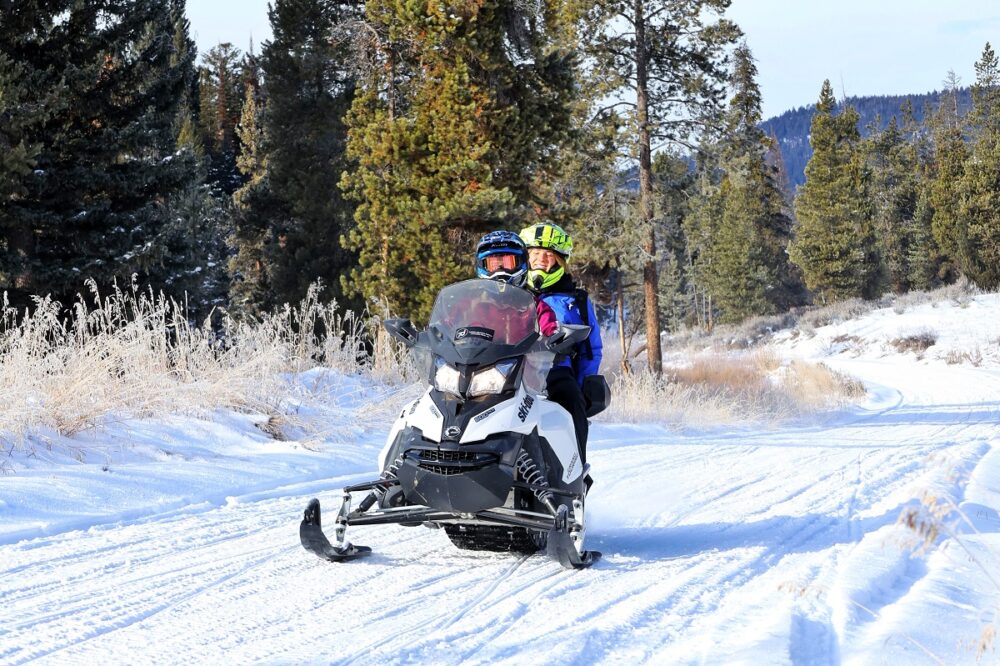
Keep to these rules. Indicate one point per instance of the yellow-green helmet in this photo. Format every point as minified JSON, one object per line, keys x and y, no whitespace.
{"x":549,"y":236}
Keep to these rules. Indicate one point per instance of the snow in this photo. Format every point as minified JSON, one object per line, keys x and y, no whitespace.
{"x":175,"y":540}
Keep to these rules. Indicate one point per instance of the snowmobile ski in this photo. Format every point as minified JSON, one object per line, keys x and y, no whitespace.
{"x":313,"y":539}
{"x":563,"y":544}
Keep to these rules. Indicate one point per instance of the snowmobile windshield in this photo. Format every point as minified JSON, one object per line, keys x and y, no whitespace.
{"x":481,"y":321}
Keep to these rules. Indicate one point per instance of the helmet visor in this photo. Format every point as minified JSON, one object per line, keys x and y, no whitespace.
{"x":501,"y":262}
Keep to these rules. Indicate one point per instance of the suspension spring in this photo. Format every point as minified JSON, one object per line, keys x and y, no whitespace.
{"x":390,"y":472}
{"x":530,"y":474}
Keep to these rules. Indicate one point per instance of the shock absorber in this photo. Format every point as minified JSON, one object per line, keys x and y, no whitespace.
{"x":530,"y":474}
{"x":389,"y":474}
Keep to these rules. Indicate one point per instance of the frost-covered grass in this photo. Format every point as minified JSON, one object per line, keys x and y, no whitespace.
{"x":135,"y":354}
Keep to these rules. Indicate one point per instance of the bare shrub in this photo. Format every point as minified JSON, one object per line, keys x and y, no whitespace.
{"x":755,"y":330}
{"x":987,"y":640}
{"x":613,"y":361}
{"x":917,"y":342}
{"x":961,"y":293}
{"x":816,"y":386}
{"x":973,"y":357}
{"x":910,"y":300}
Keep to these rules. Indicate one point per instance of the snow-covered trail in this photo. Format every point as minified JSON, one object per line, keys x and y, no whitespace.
{"x":742,"y":546}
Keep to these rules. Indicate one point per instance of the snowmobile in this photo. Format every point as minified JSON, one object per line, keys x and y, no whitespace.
{"x":481,"y":454}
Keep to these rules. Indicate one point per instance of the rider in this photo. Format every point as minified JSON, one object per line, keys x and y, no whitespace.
{"x":549,"y":248}
{"x":501,"y":255}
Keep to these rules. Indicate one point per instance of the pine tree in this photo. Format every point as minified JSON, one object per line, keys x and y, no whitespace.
{"x":893,"y":193}
{"x":835,"y":244}
{"x":290,"y":215}
{"x":671,"y":57}
{"x":107,"y":83}
{"x":673,"y":184}
{"x":458,"y":118}
{"x":17,"y":159}
{"x":221,"y":95}
{"x":745,"y":261}
{"x":926,"y":260}
{"x":950,"y":154}
{"x":980,"y":185}
{"x":190,"y":251}
{"x":701,"y":226}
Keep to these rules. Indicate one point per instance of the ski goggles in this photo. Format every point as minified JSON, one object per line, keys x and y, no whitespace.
{"x":501,"y":262}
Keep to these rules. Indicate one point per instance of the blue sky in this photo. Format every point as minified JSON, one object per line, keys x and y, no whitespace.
{"x":863,"y":46}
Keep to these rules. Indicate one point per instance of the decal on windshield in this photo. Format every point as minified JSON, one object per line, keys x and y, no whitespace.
{"x":480,"y":332}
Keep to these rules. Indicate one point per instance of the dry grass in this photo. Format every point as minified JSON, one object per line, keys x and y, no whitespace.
{"x":135,"y":354}
{"x":917,"y":342}
{"x":973,"y":357}
{"x":726,"y":389}
{"x":936,"y":516}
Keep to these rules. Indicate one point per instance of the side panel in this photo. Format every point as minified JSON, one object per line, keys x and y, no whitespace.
{"x":421,"y":413}
{"x":521,"y":414}
{"x":514,"y":415}
{"x":556,"y":426}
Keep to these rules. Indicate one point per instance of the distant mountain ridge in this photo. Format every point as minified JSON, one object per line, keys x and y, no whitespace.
{"x":791,"y":128}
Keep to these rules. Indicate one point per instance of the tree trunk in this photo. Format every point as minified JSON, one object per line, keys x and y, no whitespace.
{"x":22,"y":245}
{"x":650,"y":279}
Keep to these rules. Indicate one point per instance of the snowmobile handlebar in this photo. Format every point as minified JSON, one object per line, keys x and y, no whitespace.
{"x":566,"y":337}
{"x":402,"y":330}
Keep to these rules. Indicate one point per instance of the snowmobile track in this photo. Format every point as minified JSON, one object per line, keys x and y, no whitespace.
{"x":440,"y":620}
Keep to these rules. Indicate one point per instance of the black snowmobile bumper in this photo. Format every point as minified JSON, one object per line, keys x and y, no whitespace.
{"x":468,"y":492}
{"x":460,"y":478}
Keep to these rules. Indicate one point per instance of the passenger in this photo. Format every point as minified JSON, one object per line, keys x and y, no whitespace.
{"x":549,"y":248}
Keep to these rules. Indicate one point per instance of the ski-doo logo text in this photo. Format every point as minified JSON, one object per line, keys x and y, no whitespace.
{"x":522,"y":411}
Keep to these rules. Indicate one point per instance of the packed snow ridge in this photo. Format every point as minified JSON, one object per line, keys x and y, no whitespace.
{"x":869,"y":534}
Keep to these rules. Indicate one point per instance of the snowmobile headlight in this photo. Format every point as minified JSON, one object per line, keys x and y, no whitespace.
{"x":445,"y":377}
{"x":491,"y":380}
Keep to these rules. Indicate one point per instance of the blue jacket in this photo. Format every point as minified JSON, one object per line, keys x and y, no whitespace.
{"x":563,"y":300}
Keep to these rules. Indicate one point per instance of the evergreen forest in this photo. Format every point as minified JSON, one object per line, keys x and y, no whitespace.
{"x":790,"y":129}
{"x":367,"y":145}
